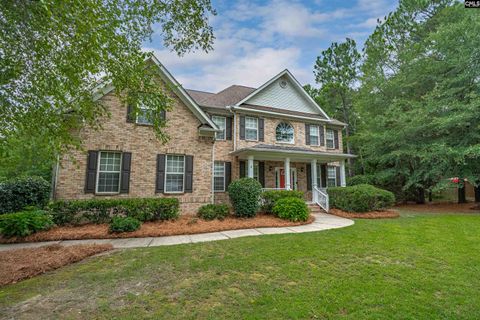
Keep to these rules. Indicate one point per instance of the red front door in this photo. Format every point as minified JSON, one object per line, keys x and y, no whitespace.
{"x":282,"y":178}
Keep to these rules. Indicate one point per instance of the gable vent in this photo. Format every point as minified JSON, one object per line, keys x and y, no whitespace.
{"x":283,"y":83}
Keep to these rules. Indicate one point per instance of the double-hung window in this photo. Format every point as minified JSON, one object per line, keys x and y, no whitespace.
{"x":251,"y":128}
{"x":221,"y":123}
{"x":331,"y":176}
{"x":108,"y":174}
{"x":219,"y":176}
{"x":330,"y":139}
{"x":314,"y":136}
{"x":319,"y":176}
{"x":144,"y":115}
{"x":174,"y":173}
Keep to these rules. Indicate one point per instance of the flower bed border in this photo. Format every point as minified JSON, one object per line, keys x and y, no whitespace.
{"x":386,"y":214}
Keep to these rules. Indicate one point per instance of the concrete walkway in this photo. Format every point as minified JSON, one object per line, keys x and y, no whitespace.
{"x":322,"y":221}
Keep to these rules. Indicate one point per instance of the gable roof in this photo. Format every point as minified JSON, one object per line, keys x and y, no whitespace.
{"x":226,"y":97}
{"x":297,"y":86}
{"x":105,"y":88}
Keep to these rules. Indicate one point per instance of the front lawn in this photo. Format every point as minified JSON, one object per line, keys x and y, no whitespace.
{"x":417,"y":266}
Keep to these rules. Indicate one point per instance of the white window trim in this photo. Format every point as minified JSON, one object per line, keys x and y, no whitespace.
{"x":165,"y":178}
{"x":256,"y":120}
{"x":285,"y":142}
{"x":98,"y":173}
{"x":326,"y":139}
{"x":224,"y":127}
{"x":328,"y":178}
{"x":224,"y":176}
{"x":319,"y":143}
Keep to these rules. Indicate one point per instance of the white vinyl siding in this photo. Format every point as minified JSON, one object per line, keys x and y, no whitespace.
{"x":331,"y":176}
{"x":330,"y":139}
{"x":314,"y":135}
{"x":219,"y":177}
{"x":251,"y":128}
{"x":108,"y":175}
{"x":221,"y":123}
{"x":174,"y":173}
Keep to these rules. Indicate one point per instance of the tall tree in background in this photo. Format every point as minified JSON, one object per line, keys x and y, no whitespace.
{"x":53,"y":52}
{"x":337,"y":70}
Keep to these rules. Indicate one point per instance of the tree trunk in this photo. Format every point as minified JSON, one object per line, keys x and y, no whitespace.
{"x":421,"y":196}
{"x":430,"y":196}
{"x":476,"y":189}
{"x":461,"y":193}
{"x":346,"y":117}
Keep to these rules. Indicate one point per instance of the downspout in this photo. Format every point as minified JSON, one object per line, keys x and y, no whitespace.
{"x":54,"y":181}
{"x":213,"y":171}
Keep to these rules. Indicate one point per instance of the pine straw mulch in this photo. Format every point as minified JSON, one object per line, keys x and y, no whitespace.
{"x":19,"y":264}
{"x":442,"y":207}
{"x":386,"y":214}
{"x":184,"y":225}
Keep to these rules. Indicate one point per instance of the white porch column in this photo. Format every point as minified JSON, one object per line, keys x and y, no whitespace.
{"x":343,"y":182}
{"x":314,"y":173}
{"x":250,"y":167}
{"x":287,"y":173}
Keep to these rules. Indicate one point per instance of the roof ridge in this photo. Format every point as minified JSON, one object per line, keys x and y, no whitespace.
{"x":200,"y":91}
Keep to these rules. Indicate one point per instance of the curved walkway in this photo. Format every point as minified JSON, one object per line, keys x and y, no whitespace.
{"x":322,"y":221}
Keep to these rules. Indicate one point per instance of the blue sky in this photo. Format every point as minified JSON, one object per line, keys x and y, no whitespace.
{"x":255,"y":40}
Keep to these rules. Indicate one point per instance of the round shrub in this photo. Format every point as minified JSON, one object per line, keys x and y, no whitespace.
{"x":245,"y":196}
{"x":24,"y":223}
{"x":213,"y":211}
{"x":360,"y":198}
{"x":293,"y":209}
{"x":269,"y":198}
{"x":124,"y":224}
{"x":16,"y":194}
{"x":360,"y":179}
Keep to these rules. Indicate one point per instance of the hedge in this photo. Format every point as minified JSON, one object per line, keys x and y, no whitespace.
{"x":213,"y":211}
{"x":293,"y":209}
{"x":17,"y":194}
{"x":124,"y":224}
{"x":24,"y":223}
{"x":360,"y":179}
{"x":269,"y":198}
{"x":103,"y":210}
{"x":245,"y":196}
{"x":360,"y":198}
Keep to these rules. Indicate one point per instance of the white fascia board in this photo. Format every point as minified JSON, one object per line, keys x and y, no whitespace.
{"x":274,"y":154}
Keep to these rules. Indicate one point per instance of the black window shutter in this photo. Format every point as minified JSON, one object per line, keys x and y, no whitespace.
{"x":228,"y":128}
{"x":130,"y":114}
{"x":261,"y":134}
{"x":125,"y":176}
{"x":242,"y":127}
{"x":309,"y":176}
{"x":91,"y":177}
{"x":188,"y":174}
{"x":242,"y":169}
{"x":335,"y":136}
{"x":322,"y":135}
{"x":228,"y":174}
{"x":160,"y":182}
{"x":261,"y":173}
{"x":338,"y":176}
{"x":307,"y":134}
{"x":323,"y":169}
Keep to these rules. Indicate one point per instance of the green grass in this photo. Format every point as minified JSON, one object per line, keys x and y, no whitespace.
{"x":414,"y":267}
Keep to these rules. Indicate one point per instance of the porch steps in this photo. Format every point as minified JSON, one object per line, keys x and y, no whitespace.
{"x":315,"y":208}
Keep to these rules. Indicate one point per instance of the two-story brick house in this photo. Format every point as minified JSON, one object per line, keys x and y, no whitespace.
{"x":276,"y":134}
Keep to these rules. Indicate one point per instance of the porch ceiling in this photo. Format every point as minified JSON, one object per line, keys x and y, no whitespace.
{"x":273,"y":152}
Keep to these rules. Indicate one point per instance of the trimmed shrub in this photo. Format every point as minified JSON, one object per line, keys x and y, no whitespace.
{"x":269,"y":198}
{"x":360,"y":198}
{"x":23,"y":223}
{"x":293,"y":209}
{"x":245,"y":196}
{"x":124,"y":224}
{"x":103,"y":210}
{"x":213,"y":211}
{"x":360,"y":179}
{"x":16,"y":194}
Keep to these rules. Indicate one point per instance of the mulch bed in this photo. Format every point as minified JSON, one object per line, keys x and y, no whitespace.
{"x":19,"y":264}
{"x":442,"y":207}
{"x":386,"y":214}
{"x":183,"y":225}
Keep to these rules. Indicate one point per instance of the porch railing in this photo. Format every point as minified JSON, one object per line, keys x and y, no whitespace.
{"x":320,"y":197}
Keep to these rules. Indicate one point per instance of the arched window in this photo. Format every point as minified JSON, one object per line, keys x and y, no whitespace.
{"x":284,"y":132}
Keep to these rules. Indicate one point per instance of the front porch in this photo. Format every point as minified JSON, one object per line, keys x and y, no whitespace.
{"x":292,"y":168}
